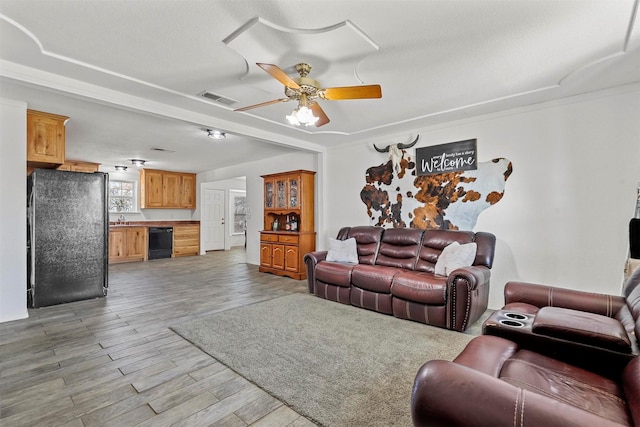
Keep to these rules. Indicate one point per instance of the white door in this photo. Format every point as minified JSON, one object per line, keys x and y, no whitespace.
{"x":212,"y":220}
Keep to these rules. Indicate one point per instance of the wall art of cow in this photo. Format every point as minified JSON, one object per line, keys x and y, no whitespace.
{"x":450,"y":201}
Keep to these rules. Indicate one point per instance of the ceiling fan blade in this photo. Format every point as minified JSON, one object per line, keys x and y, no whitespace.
{"x":319,"y":113}
{"x":352,"y":92}
{"x":263,"y":104}
{"x":277,"y":73}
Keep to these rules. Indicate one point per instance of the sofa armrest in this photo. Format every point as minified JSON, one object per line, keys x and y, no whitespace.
{"x":551,"y":296}
{"x":467,"y":296}
{"x":440,"y":386}
{"x":476,"y":275}
{"x":311,"y":259}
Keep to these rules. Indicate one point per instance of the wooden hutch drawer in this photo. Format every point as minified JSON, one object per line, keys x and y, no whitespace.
{"x":283,"y":238}
{"x":268,"y":237}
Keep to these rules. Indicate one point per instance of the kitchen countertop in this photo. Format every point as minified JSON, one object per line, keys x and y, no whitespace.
{"x":114,"y":224}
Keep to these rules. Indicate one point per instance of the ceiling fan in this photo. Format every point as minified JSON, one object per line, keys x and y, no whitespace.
{"x":307,"y":91}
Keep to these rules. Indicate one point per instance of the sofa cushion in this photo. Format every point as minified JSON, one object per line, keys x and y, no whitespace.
{"x":399,"y":247}
{"x":343,"y":251}
{"x":375,"y":278}
{"x":583,"y":327}
{"x":368,"y":240}
{"x":455,"y":256}
{"x":566,"y":383}
{"x":334,"y":273}
{"x":420,"y":287}
{"x":433,"y":242}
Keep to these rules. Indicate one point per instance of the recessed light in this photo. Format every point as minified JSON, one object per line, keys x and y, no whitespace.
{"x":216,"y":134}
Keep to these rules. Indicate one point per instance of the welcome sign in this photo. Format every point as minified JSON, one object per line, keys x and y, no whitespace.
{"x":444,"y":158}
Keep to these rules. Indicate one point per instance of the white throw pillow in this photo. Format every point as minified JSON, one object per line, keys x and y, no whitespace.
{"x":343,"y":251}
{"x":455,"y":256}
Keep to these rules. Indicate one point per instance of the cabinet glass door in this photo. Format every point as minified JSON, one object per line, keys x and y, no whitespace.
{"x":268,"y":194}
{"x":293,"y":193}
{"x":281,"y":194}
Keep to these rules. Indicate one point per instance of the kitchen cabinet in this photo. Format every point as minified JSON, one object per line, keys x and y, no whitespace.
{"x":186,"y":240}
{"x":288,"y":232}
{"x":127,"y":244}
{"x":164,"y":189}
{"x":78,"y":166}
{"x":45,"y":139}
{"x":188,"y":193}
{"x":171,"y":190}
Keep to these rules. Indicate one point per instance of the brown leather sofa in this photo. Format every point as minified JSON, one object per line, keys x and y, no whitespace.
{"x":395,"y":274}
{"x":575,"y":326}
{"x":496,"y":383}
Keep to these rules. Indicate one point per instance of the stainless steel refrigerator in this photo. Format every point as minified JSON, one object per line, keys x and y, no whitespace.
{"x":67,"y":236}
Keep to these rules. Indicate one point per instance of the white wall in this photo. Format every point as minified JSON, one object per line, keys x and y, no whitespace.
{"x":255,"y":189}
{"x":13,"y":210}
{"x":566,"y":209}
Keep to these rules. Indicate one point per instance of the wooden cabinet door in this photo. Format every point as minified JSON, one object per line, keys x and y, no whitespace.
{"x":136,"y":242}
{"x":186,"y":240}
{"x":45,"y":138}
{"x":117,"y":247}
{"x":293,"y":192}
{"x":152,"y":190}
{"x":277,"y":257}
{"x":291,"y":258}
{"x":188,"y":191}
{"x":171,"y":190}
{"x":281,"y":193}
{"x":265,"y":254}
{"x":269,"y":194}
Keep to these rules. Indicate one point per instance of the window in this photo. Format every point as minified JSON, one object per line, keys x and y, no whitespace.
{"x":122,"y":196}
{"x":239,"y":211}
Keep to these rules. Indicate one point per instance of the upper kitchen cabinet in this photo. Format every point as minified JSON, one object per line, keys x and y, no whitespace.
{"x":45,"y":139}
{"x":164,"y":189}
{"x":188,"y":194}
{"x":78,"y":166}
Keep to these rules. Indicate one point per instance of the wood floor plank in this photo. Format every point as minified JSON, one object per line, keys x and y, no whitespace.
{"x":114,"y":360}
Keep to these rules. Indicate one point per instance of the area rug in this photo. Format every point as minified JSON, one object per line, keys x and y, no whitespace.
{"x":335,"y":364}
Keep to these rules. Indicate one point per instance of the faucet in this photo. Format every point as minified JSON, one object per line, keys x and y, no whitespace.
{"x":121,"y":219}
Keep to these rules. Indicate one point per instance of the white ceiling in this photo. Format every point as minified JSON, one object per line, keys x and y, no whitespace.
{"x":130,"y":73}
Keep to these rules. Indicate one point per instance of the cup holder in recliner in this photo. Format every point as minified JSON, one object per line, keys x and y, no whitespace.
{"x":512,"y":323}
{"x":515,"y":316}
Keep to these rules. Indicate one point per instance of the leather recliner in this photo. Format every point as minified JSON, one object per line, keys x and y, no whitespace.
{"x":494,"y":382}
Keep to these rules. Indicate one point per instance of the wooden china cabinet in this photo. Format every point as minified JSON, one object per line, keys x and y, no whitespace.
{"x":288,"y":232}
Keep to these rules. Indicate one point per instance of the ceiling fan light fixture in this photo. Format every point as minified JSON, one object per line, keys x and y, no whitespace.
{"x":216,"y":134}
{"x":302,"y":116}
{"x":138,"y":163}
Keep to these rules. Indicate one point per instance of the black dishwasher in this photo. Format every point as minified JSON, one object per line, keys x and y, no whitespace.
{"x":160,"y":242}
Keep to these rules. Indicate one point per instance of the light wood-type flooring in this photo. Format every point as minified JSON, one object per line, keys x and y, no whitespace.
{"x":114,"y":361}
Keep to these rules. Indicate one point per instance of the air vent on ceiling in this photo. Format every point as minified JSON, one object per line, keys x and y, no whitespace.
{"x":164,"y":150}
{"x":218,"y":98}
